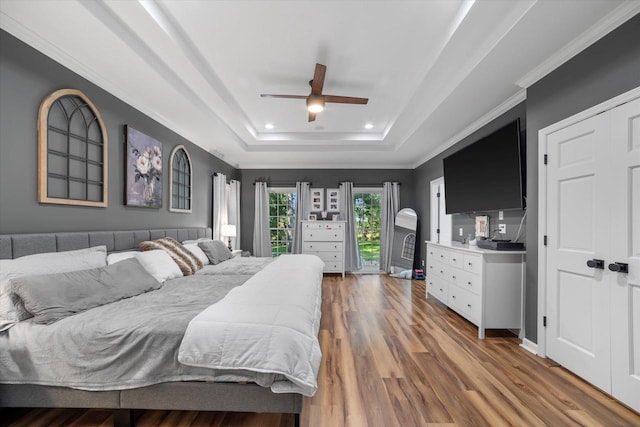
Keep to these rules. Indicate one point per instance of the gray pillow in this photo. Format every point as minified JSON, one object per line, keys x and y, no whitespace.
{"x":51,"y":297}
{"x":216,"y":251}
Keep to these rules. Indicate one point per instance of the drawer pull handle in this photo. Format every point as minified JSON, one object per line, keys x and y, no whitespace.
{"x":441,"y":290}
{"x":453,"y":296}
{"x":453,"y":277}
{"x":441,"y":272}
{"x":454,"y":260}
{"x":469,"y":283}
{"x":469,"y":305}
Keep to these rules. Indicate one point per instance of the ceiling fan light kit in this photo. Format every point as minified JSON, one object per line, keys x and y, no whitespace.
{"x":315,"y":101}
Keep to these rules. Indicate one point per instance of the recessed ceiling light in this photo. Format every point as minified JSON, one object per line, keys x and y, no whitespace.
{"x":368,"y":126}
{"x":269,"y":126}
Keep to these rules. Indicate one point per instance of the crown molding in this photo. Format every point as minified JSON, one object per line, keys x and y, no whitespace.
{"x":607,"y":24}
{"x":508,"y":104}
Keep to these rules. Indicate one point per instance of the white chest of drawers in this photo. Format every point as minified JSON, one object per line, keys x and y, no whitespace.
{"x":326,"y":240}
{"x":483,"y":286}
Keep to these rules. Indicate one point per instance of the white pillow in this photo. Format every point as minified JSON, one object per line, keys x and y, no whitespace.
{"x":195,"y":249}
{"x":11,"y":309}
{"x":157,"y":262}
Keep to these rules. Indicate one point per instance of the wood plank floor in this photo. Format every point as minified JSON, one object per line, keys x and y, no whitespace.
{"x":392,"y":357}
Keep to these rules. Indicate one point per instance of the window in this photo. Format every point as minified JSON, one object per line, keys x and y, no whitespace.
{"x":180,"y":180}
{"x":367,"y":215}
{"x":282,"y":208}
{"x":72,"y":151}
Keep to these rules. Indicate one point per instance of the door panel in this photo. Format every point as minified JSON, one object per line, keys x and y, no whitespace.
{"x":625,"y":221}
{"x":578,"y":324}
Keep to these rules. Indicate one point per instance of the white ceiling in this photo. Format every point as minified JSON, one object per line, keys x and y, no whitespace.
{"x":434,"y":70}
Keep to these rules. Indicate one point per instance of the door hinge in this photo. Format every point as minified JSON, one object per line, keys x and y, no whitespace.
{"x":438,"y":194}
{"x":544,"y":240}
{"x":544,"y":321}
{"x":546,"y":159}
{"x":437,"y":231}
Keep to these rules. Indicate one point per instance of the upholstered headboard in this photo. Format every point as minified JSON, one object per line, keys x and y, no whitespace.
{"x":17,"y":245}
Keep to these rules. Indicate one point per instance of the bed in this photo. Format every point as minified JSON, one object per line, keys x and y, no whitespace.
{"x":161,"y":370}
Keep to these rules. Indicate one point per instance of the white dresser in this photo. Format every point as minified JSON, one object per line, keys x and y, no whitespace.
{"x":326,"y":240}
{"x":481,"y":285}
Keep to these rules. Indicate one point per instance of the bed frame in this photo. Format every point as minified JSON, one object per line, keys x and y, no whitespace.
{"x":181,"y":395}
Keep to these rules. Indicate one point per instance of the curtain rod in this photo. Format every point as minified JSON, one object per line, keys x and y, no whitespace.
{"x":289,"y":184}
{"x":277,"y":183}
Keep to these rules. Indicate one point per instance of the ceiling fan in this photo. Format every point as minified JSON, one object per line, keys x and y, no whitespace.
{"x":316,"y":100}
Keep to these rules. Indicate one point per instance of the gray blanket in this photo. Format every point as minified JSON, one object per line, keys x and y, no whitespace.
{"x":132,"y":343}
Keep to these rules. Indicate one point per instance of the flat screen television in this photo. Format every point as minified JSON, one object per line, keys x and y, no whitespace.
{"x":487,"y":175}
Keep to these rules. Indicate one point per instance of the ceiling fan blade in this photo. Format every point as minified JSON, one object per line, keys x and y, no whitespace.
{"x":318,"y":79}
{"x":312,"y":116}
{"x":345,"y":99}
{"x":268,"y":95}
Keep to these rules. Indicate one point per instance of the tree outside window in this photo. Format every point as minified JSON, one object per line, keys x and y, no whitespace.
{"x":282,"y":208}
{"x":367,"y":215}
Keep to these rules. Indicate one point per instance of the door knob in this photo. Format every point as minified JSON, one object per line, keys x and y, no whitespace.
{"x":596,"y":263}
{"x":619,"y":267}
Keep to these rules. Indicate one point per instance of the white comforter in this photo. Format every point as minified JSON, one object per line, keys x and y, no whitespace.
{"x":268,"y":325}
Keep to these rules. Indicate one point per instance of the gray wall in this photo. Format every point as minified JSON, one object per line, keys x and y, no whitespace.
{"x":606,"y":69}
{"x":433,"y":169}
{"x":27,"y":77}
{"x":320,"y":178}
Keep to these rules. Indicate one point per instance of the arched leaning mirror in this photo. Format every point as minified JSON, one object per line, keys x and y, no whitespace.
{"x":404,"y":241}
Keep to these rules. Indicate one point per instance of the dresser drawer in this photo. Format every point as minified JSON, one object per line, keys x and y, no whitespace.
{"x":456,"y":259}
{"x":465,"y":280}
{"x":438,"y":288}
{"x":327,"y":256}
{"x":465,"y":303}
{"x":322,"y":247}
{"x":473,"y":263}
{"x":323,"y":235}
{"x":435,"y":253}
{"x":437,"y":269}
{"x":323,"y":225}
{"x":333,"y":267}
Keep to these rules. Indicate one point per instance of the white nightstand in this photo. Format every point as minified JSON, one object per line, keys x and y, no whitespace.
{"x":236,"y":253}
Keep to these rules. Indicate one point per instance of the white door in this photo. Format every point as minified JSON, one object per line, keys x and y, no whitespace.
{"x":625,"y":295}
{"x":440,"y":221}
{"x":578,"y":229}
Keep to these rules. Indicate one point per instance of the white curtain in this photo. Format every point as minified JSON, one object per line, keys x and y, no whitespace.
{"x":234,"y":211}
{"x":303,"y":197}
{"x":352,"y":260}
{"x":261,"y":240}
{"x":220,"y":211}
{"x":389,"y":208}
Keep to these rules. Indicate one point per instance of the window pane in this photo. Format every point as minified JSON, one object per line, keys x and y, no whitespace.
{"x":281,"y":221}
{"x":367,"y":215}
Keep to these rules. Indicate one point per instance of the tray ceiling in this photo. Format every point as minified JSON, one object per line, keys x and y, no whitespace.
{"x":434,"y":71}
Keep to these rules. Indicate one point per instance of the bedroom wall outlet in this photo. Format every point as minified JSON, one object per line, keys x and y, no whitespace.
{"x":460,"y":231}
{"x":502,"y":228}
{"x":500,"y":215}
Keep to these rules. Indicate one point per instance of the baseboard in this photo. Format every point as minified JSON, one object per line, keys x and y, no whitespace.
{"x":530,"y":346}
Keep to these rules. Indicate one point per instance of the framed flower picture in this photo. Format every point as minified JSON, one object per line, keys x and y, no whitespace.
{"x":317,"y":199}
{"x":333,"y":201}
{"x":143,"y":169}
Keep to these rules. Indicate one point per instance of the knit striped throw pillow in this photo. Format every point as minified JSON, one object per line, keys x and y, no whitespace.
{"x":188,"y":262}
